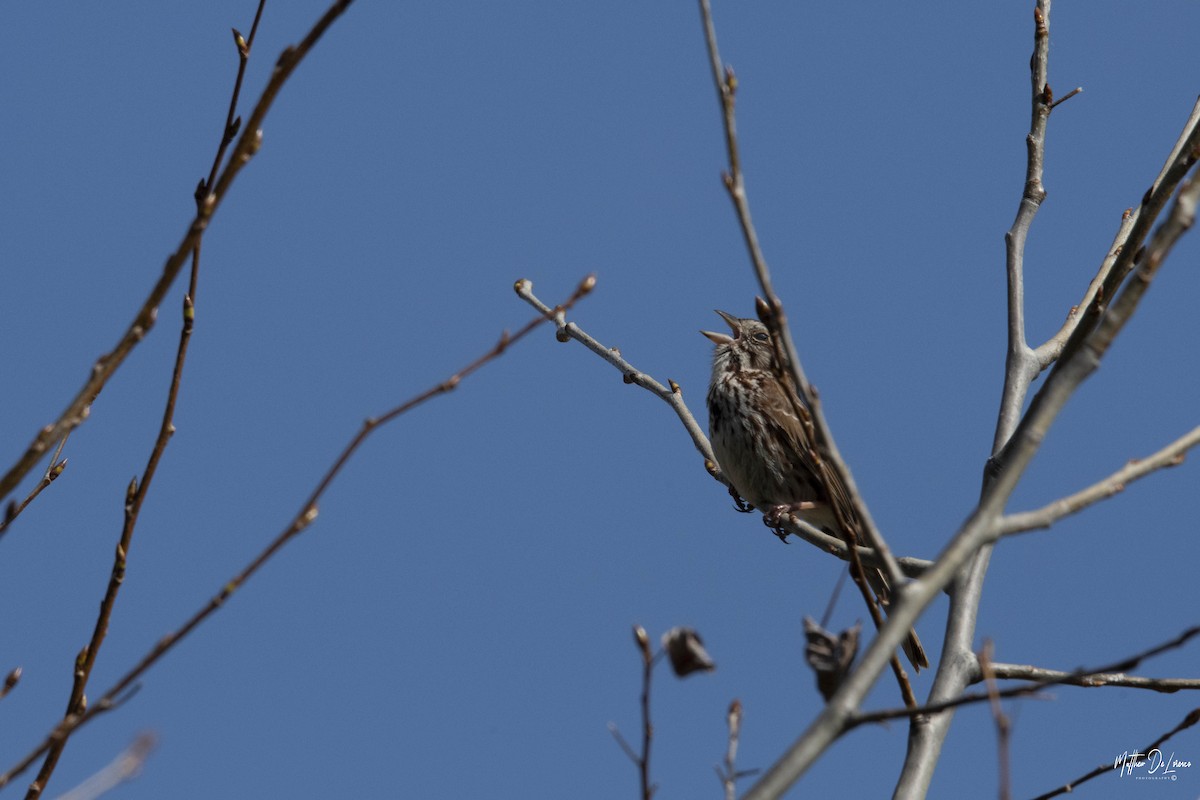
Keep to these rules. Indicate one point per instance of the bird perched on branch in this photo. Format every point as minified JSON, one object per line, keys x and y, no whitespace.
{"x":762,"y":439}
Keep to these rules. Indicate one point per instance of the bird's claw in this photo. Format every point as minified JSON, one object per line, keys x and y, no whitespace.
{"x":773,"y":519}
{"x":738,"y":503}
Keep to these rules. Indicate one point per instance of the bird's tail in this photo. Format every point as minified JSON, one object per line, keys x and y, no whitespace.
{"x":912,"y":644}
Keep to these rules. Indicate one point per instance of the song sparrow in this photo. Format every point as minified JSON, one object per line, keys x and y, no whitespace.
{"x":763,"y":447}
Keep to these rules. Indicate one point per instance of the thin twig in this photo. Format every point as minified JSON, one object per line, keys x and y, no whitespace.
{"x":14,"y":508}
{"x":1003,"y":724}
{"x":726,"y":84}
{"x":1049,"y":351}
{"x":1170,"y":456}
{"x":624,"y":745}
{"x":672,"y":396}
{"x":306,"y":515}
{"x":232,"y":122}
{"x":728,"y":772}
{"x":1066,"y":97}
{"x":1191,"y":719}
{"x":1078,"y":677}
{"x":106,"y":365}
{"x":833,"y":596}
{"x":1127,"y":241}
{"x":911,"y":566}
{"x":966,"y":699}
{"x":138,"y":489}
{"x":62,"y":443}
{"x":641,"y":760}
{"x":734,"y":719}
{"x":648,"y":661}
{"x":1026,"y":672}
{"x":230,"y":130}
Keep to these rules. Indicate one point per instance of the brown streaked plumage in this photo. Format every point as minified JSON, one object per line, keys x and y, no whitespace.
{"x":763,"y":447}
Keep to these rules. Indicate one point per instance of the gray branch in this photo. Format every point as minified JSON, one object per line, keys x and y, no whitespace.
{"x":1025,"y":672}
{"x":1021,"y":368}
{"x":1169,"y":456}
{"x":1021,"y":363}
{"x":672,"y":396}
{"x":1052,"y":348}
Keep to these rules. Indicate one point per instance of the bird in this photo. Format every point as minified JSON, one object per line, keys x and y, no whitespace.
{"x":764,"y":448}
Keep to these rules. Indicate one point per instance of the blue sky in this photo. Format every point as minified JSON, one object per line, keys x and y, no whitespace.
{"x":456,"y":623}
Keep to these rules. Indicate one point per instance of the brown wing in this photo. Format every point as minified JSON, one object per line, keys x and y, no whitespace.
{"x":839,"y":496}
{"x":792,"y":435}
{"x":830,"y":489}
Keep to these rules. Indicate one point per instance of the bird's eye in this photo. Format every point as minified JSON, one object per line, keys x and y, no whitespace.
{"x":761,"y":337}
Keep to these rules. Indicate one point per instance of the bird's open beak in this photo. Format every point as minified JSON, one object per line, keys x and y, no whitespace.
{"x":724,"y":338}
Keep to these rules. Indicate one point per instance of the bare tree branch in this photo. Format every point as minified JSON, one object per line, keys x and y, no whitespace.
{"x":966,"y":699}
{"x":1003,"y":723}
{"x":1124,"y":244}
{"x":106,"y":365}
{"x":1066,"y":97}
{"x":1041,"y":679}
{"x":727,"y":772}
{"x":1021,"y":365}
{"x":1120,"y":679}
{"x":1020,"y":369}
{"x":643,"y":762}
{"x":304,"y":517}
{"x":1130,"y":252}
{"x":1170,"y":456}
{"x":672,"y":396}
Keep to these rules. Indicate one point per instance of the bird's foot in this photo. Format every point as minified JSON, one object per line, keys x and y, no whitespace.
{"x":773,"y":519}
{"x":738,"y":503}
